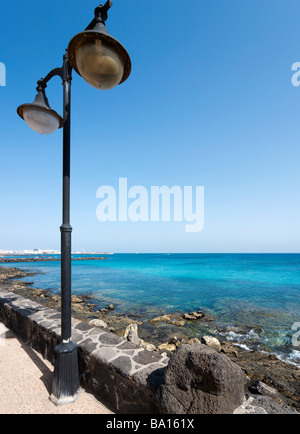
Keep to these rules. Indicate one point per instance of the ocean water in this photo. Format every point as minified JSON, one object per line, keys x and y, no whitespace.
{"x":253,"y":298}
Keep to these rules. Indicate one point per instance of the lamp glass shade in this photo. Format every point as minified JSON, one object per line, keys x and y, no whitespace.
{"x":41,"y":120}
{"x":99,"y":64}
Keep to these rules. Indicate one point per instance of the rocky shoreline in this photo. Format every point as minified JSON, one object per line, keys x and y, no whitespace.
{"x":270,"y":382}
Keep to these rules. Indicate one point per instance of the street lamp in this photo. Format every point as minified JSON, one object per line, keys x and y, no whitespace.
{"x":39,"y":115}
{"x":98,"y":57}
{"x":104,"y":63}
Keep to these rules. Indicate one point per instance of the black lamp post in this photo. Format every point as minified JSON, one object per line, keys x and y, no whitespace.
{"x":104,"y":63}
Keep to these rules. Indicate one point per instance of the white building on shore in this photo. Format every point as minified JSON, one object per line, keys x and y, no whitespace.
{"x":29,"y":252}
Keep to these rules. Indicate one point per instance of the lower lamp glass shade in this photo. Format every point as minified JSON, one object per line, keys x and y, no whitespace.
{"x":99,"y":64}
{"x":42,"y":121}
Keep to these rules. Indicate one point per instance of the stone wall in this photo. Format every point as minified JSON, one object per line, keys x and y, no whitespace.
{"x":126,"y":377}
{"x":121,"y":374}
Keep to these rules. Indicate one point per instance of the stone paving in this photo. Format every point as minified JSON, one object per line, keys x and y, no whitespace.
{"x":26,"y":382}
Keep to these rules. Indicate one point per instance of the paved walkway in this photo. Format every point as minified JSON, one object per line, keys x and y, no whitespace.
{"x":25,"y":382}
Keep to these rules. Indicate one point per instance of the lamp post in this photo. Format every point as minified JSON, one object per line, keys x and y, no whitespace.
{"x":104,"y":63}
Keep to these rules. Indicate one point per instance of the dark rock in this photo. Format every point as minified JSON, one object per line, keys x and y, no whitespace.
{"x":89,"y":345}
{"x":271,"y":406}
{"x":149,"y":377}
{"x":178,"y":322}
{"x":117,"y":331}
{"x":177,"y":342}
{"x":282,"y":376}
{"x":110,"y":339}
{"x":198,"y":380}
{"x":263,"y":389}
{"x":82,"y":326}
{"x":122,"y":364}
{"x":90,"y":306}
{"x":76,"y":300}
{"x":163,"y":318}
{"x":145,"y":357}
{"x":193,"y":316}
{"x":229,"y":349}
{"x":126,"y":345}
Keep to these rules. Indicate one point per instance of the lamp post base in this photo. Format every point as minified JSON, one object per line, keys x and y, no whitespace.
{"x":65,"y":385}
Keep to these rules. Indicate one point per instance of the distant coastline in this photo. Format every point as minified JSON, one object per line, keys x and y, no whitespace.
{"x":48,"y":259}
{"x":38,"y":252}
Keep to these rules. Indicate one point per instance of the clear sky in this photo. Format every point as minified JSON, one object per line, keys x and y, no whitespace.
{"x":209,"y":103}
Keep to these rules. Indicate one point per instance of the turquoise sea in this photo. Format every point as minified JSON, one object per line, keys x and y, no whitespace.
{"x":254,"y":298}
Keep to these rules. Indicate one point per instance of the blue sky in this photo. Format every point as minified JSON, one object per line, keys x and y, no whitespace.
{"x":209,"y":103}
